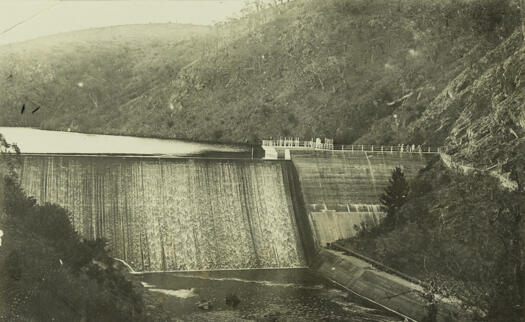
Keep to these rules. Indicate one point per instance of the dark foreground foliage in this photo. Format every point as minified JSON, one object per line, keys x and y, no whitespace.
{"x":53,"y":275}
{"x":461,"y":233}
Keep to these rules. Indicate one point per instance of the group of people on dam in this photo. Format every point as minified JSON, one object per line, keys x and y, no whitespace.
{"x":328,"y":144}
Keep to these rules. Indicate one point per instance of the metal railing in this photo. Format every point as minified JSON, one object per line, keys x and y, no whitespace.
{"x":328,"y":145}
{"x":389,"y":148}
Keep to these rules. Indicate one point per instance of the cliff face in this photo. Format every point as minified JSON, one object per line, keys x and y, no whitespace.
{"x":178,"y":214}
{"x":480,"y":115}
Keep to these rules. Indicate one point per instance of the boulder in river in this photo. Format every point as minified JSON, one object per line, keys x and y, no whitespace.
{"x":204,"y":305}
{"x":232,"y":300}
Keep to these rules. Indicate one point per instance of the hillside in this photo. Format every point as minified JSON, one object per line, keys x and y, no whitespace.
{"x":335,"y":68}
{"x":480,"y":115}
{"x":81,"y":79}
{"x":461,"y":235}
{"x":376,"y":72}
{"x":327,"y":68}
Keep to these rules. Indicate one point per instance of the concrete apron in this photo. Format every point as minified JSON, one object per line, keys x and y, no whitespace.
{"x":389,"y":291}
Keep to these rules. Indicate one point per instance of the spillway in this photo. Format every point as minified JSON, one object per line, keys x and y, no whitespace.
{"x":178,"y":214}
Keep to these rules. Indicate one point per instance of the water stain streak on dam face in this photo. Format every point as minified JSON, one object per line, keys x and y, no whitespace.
{"x":177,"y":214}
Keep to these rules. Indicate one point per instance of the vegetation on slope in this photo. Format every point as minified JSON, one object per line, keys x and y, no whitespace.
{"x":305,"y":68}
{"x":82,"y":80}
{"x":333,"y":68}
{"x":461,"y":233}
{"x":49,"y":273}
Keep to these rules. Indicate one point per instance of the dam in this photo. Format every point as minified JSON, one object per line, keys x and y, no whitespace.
{"x":176,"y":213}
{"x":342,"y":188}
{"x":234,"y":222}
{"x":188,"y":213}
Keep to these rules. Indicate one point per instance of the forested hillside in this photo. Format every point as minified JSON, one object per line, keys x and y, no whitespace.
{"x":461,"y":234}
{"x":376,"y":72}
{"x":82,"y":80}
{"x":304,"y":68}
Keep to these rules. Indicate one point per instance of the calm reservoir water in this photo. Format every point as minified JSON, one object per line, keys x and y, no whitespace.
{"x":56,"y":142}
{"x":265,"y":295}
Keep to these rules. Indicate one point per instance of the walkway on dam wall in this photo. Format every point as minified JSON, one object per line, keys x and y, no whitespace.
{"x":328,"y":144}
{"x":281,"y":149}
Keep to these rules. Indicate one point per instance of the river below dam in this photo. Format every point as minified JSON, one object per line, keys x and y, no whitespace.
{"x":265,"y":295}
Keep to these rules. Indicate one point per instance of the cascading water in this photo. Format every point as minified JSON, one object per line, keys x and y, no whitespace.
{"x":176,"y":214}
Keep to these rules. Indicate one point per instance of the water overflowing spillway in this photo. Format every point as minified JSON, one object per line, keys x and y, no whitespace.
{"x":177,"y":214}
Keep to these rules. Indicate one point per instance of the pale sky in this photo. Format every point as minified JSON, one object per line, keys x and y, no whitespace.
{"x":23,"y":20}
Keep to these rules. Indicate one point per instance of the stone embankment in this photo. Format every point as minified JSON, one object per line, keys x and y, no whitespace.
{"x":400,"y":295}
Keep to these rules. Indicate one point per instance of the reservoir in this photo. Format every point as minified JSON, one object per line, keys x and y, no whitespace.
{"x":31,"y":140}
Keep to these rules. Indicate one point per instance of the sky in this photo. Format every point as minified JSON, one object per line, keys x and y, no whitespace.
{"x":27,"y":19}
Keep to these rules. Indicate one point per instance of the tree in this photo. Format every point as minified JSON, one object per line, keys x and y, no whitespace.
{"x":522,"y":9}
{"x":9,"y":158}
{"x":518,"y":219}
{"x":393,"y":198}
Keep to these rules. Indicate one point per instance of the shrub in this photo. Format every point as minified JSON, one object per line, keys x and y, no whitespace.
{"x":52,"y":274}
{"x":13,"y":265}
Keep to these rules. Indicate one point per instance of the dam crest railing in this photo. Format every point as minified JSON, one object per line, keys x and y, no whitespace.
{"x":328,"y":145}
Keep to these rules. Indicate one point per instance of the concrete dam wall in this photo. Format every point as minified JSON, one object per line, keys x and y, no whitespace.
{"x":342,"y":188}
{"x":163,"y":214}
{"x":178,"y":214}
